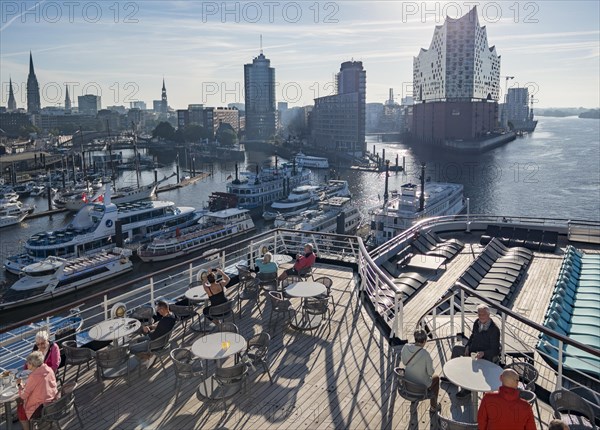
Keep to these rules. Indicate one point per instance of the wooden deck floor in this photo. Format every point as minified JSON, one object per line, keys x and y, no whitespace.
{"x":340,"y":378}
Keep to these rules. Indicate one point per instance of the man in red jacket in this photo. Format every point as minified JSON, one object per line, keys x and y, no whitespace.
{"x":302,"y":262}
{"x":504,"y":409}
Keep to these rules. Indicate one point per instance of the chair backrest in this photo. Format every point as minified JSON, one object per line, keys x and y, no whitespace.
{"x":266,"y":277}
{"x":450,"y":424}
{"x":259,"y":344}
{"x":243,"y":273}
{"x":58,"y":409}
{"x":527,"y":373}
{"x":220,"y":310}
{"x":182,"y":311}
{"x":228,"y":327}
{"x":182,"y":359}
{"x":292,"y":279}
{"x":305,"y":271}
{"x":230,"y":375}
{"x":318,"y":306}
{"x":72,"y":351}
{"x":160,"y":342}
{"x":567,"y":401}
{"x":410,"y":391}
{"x":112,"y":357}
{"x":325,"y":281}
{"x":144,"y":314}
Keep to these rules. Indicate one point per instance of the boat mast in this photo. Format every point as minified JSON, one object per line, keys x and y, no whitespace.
{"x":422,"y":196}
{"x":135,"y":153}
{"x":85,"y":176}
{"x":112,"y":166}
{"x":385,"y":191}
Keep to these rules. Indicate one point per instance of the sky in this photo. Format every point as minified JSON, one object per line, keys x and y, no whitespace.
{"x":122,"y":50}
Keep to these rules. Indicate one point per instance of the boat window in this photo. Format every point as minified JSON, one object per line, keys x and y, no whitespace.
{"x":39,"y":274}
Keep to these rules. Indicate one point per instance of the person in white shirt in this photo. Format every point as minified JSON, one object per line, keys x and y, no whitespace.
{"x":419,"y":367}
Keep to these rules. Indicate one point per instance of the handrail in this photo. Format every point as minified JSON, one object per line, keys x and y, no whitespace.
{"x":182,"y":265}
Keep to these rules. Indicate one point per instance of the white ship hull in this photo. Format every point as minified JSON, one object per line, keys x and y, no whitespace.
{"x":9,"y":220}
{"x":141,"y":193}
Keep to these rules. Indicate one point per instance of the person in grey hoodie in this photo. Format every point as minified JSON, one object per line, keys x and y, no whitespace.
{"x":419,"y":367}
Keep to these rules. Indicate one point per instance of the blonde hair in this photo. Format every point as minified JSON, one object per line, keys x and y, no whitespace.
{"x":36,"y":359}
{"x":43,"y":335}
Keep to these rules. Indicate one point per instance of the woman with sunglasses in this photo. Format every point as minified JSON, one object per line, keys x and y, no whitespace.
{"x":49,"y":349}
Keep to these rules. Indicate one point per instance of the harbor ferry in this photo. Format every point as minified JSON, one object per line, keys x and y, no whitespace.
{"x":311,"y":162}
{"x":213,"y":229}
{"x":94,"y":228}
{"x":56,"y":276}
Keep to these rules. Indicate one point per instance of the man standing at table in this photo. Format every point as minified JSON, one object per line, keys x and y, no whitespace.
{"x":504,"y":409}
{"x":419,"y":367}
{"x":484,"y":341}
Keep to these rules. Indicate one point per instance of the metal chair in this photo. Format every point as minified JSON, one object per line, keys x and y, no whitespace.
{"x":450,"y":424}
{"x":220,"y":312}
{"x":267,"y":281}
{"x":184,"y":314}
{"x":144,"y":314}
{"x":60,"y":408}
{"x":570,"y":407}
{"x":186,"y":367}
{"x":305,"y":273}
{"x":279,"y":307}
{"x":328,"y":282}
{"x":75,"y":356}
{"x":231,"y":377}
{"x":314,"y":306}
{"x":112,"y":363}
{"x":249,"y":291}
{"x":528,"y":375}
{"x":256,"y":352}
{"x":411,"y":391}
{"x":159,"y":347}
{"x":228,"y":327}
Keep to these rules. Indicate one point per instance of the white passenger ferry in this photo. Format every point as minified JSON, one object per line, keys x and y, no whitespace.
{"x":312,"y":162}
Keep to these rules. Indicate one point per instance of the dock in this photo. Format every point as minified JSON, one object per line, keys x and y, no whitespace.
{"x":183,"y":183}
{"x":45,"y":213}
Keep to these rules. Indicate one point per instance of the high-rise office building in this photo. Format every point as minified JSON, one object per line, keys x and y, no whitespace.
{"x":338,"y":121}
{"x":259,"y":86}
{"x":456,"y":83}
{"x":33,"y":90}
{"x":89,"y":104}
{"x":12,"y":103}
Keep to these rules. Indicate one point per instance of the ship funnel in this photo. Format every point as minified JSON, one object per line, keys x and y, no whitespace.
{"x":422,"y":196}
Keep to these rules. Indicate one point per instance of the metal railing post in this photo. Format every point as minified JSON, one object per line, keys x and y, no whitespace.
{"x":377,"y":292}
{"x":559,"y":379}
{"x":452,"y":316}
{"x":191,"y":275}
{"x":105,"y":307}
{"x":434,"y":321}
{"x":152,"y":290}
{"x":502,"y":337}
{"x":462,"y":311}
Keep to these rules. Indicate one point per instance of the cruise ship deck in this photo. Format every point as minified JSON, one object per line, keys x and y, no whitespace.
{"x":340,"y":375}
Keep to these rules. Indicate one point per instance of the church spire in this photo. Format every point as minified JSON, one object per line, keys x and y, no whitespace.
{"x":67,"y":99}
{"x":163,"y":98}
{"x":33,"y":89}
{"x":12,"y":103}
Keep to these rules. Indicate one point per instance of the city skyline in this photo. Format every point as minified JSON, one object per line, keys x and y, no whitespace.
{"x":201,"y":49}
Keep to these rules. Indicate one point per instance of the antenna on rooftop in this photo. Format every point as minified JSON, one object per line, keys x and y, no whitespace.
{"x":261,"y":48}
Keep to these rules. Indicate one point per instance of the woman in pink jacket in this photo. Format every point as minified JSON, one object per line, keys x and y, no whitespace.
{"x":39,"y":390}
{"x":50,"y":350}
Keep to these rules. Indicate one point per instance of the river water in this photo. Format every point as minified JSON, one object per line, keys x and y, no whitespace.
{"x":554,"y":172}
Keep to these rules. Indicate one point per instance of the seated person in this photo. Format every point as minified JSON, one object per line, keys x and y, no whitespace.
{"x":302,"y":262}
{"x":49,"y":349}
{"x":504,"y":409}
{"x":419,"y":367}
{"x":484,"y":340}
{"x":39,"y":390}
{"x":265,"y":264}
{"x":215,"y":290}
{"x":152,"y":332}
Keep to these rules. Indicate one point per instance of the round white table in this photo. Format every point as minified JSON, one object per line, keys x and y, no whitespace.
{"x":196,"y":294}
{"x":281,"y":259}
{"x":210,"y":347}
{"x":114,"y":329}
{"x":473,"y":375}
{"x":304,"y":290}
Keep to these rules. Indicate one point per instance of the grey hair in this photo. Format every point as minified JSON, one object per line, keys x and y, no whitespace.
{"x":483,"y":307}
{"x":36,"y":359}
{"x":310,"y":246}
{"x":268,"y":256}
{"x":42,"y":334}
{"x":420,"y":336}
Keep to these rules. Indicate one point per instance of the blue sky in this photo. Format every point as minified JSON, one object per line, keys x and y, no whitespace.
{"x":122,"y":50}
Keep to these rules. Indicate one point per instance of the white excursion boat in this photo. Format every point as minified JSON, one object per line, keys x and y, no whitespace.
{"x":13,"y":213}
{"x":311,"y":162}
{"x":337,"y":215}
{"x":257,"y":190}
{"x":406,"y":207}
{"x":124,"y":195}
{"x":55,"y":276}
{"x":306,"y":197}
{"x":213,"y":229}
{"x":95,"y":228}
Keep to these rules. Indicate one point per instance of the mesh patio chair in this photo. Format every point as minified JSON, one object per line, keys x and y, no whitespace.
{"x":75,"y":356}
{"x":228,"y":327}
{"x":267,"y":281}
{"x":411,"y":391}
{"x":257,"y":351}
{"x":112,"y":363}
{"x":144,"y":314}
{"x":230,"y":377}
{"x":572,"y":409}
{"x":184,"y":315}
{"x":249,"y":292}
{"x":220,"y":313}
{"x":328,"y":284}
{"x":280,"y":307}
{"x":60,"y":408}
{"x":313,"y":307}
{"x":450,"y":424}
{"x":187,"y":367}
{"x":159,"y":347}
{"x":306,"y":273}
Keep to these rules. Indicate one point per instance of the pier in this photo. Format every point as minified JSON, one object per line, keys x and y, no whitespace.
{"x":182,"y":183}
